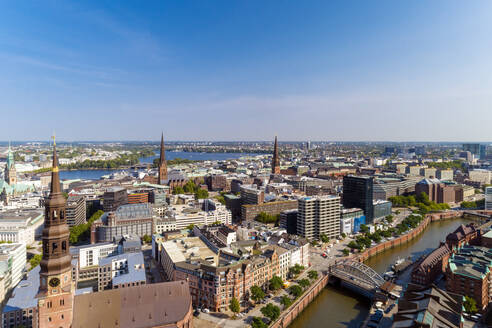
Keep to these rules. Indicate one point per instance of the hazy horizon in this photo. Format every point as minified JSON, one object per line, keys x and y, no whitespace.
{"x":385,"y":71}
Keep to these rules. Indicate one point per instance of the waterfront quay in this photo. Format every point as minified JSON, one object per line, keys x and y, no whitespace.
{"x":345,"y":308}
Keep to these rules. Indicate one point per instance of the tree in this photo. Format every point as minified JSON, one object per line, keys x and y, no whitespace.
{"x":470,"y":305}
{"x":201,"y":193}
{"x":267,"y":218}
{"x":82,"y":231}
{"x":304,"y":283}
{"x":221,"y":199}
{"x":295,"y":290}
{"x":296,"y":269}
{"x":313,"y":274}
{"x":234,"y":306}
{"x":271,"y":311}
{"x":189,"y":187}
{"x":343,"y":234}
{"x":178,"y":190}
{"x":35,"y":260}
{"x":364,"y":228}
{"x":257,"y":322}
{"x":346,"y":252}
{"x":285,"y":301}
{"x":190,"y":226}
{"x":257,"y":294}
{"x":353,"y":244}
{"x":147,"y":239}
{"x":423,"y":198}
{"x":276,"y":283}
{"x":324,"y":238}
{"x":389,"y":218}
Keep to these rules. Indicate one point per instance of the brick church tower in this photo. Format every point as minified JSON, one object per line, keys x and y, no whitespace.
{"x":276,"y":159}
{"x":162,"y":164}
{"x":56,"y":290}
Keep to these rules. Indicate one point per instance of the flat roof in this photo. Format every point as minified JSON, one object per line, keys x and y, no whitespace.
{"x":24,"y":295}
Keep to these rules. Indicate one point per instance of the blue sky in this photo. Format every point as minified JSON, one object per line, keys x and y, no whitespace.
{"x":246,"y":70}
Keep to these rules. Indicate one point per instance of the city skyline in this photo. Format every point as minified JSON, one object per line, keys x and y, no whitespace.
{"x":217,"y":71}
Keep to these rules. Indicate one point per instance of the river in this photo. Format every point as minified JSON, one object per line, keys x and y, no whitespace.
{"x":97,"y":174}
{"x":341,"y":308}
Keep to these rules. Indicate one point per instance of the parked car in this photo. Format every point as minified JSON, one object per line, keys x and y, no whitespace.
{"x":205,"y":310}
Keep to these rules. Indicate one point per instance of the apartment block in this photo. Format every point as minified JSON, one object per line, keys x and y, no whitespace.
{"x":75,"y":210}
{"x":319,"y":215}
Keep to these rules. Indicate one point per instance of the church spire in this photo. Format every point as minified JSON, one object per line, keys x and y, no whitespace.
{"x":55,"y":175}
{"x":162,"y":179}
{"x":56,"y":257}
{"x":275,"y":160}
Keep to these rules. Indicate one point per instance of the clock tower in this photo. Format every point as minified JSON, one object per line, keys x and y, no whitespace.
{"x":55,"y":297}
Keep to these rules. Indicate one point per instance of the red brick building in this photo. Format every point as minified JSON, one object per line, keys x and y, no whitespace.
{"x":462,"y":235}
{"x":431,"y":266}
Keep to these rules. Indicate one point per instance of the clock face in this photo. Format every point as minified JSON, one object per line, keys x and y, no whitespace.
{"x":54,"y":282}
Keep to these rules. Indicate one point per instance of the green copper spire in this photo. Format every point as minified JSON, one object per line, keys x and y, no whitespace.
{"x":10,"y":158}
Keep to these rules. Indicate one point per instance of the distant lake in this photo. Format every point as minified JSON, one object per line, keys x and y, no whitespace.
{"x":97,"y":174}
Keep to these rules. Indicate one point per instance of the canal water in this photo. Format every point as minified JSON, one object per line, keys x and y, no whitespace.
{"x":341,"y":308}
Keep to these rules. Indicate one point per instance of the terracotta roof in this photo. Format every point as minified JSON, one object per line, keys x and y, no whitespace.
{"x":142,"y":306}
{"x":461,"y":232}
{"x":433,"y":258}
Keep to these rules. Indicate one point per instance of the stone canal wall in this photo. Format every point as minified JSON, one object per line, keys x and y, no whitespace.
{"x":406,"y":237}
{"x":296,"y":308}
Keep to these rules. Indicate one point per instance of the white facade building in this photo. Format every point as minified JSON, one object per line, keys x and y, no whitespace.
{"x":164,"y":225}
{"x":90,"y":255}
{"x":12,"y":264}
{"x":185,"y":215}
{"x":346,"y":226}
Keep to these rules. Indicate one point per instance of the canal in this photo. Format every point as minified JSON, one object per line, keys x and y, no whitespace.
{"x":341,"y":308}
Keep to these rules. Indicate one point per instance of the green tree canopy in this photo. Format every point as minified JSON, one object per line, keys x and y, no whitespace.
{"x":35,"y":260}
{"x":276,"y":283}
{"x":364,"y":228}
{"x":313,"y":274}
{"x":295,"y":290}
{"x":304,"y":283}
{"x":324,"y":238}
{"x":267,"y":218}
{"x":257,"y":322}
{"x":147,"y":239}
{"x":234,"y":305}
{"x":286,"y":301}
{"x":257,"y":294}
{"x":470,"y":305}
{"x":201,"y":193}
{"x":271,"y":311}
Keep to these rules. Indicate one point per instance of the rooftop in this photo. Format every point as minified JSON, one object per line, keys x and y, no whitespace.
{"x":183,"y":249}
{"x":153,"y":305}
{"x":24,"y":295}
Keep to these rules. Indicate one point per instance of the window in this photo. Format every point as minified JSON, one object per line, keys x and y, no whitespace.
{"x":64,"y":245}
{"x":54,"y":247}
